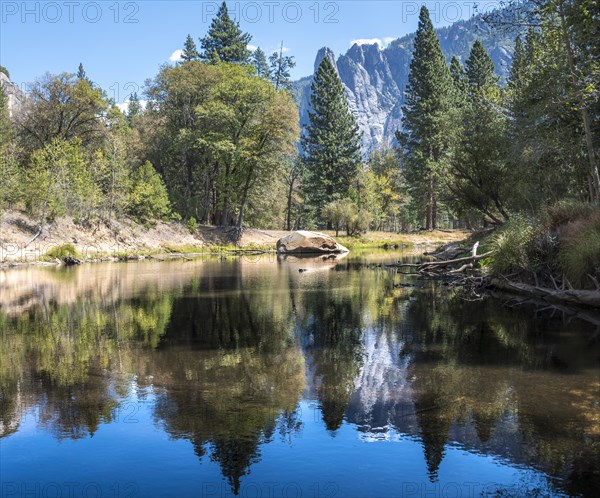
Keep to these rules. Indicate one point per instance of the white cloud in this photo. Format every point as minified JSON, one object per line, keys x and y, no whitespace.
{"x":382,"y":42}
{"x":124,"y":106}
{"x":252,"y":48}
{"x":176,"y":56}
{"x":285,"y":50}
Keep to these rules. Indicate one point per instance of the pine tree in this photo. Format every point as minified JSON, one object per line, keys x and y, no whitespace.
{"x":428,"y":130}
{"x":461,"y":82}
{"x":134,"y":108}
{"x":517,"y":71}
{"x":331,"y":143}
{"x":225,"y":41}
{"x":478,"y":174}
{"x":81,"y":73}
{"x":480,"y":69}
{"x":280,"y":66}
{"x":190,"y":52}
{"x":259,"y":61}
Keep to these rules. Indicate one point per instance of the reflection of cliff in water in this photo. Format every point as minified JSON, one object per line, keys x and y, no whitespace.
{"x":229,"y":349}
{"x":482,"y":377}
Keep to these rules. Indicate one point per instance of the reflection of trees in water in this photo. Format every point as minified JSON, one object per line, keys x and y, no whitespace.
{"x":229,"y":371}
{"x":52,"y":357}
{"x":221,"y":349}
{"x":528,"y":388}
{"x":332,"y":315}
{"x":230,"y":401}
{"x":222,"y":357}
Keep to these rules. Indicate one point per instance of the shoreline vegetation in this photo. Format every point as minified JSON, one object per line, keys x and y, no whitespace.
{"x":128,"y":240}
{"x":553,"y":257}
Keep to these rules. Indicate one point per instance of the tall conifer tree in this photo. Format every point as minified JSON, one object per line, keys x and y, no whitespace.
{"x":478,"y":174}
{"x":425,"y":140}
{"x":280,"y":70}
{"x":331,"y":143}
{"x":225,"y":41}
{"x":259,"y":61}
{"x":190,"y":51}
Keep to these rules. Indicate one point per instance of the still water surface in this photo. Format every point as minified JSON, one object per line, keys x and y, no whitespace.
{"x":246,"y":377}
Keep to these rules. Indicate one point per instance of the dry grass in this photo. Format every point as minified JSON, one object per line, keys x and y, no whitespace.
{"x":381,"y":239}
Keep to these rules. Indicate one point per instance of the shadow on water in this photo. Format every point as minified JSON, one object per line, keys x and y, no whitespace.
{"x":229,"y":350}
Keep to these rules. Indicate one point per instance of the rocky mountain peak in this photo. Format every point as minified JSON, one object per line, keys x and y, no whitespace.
{"x":375,"y":79}
{"x":321,"y":54}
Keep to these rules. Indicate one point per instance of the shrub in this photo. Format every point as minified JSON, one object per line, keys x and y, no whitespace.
{"x":192,"y":225}
{"x":519,"y":246}
{"x":579,"y":249}
{"x":148,"y":198}
{"x":62,"y":251}
{"x":567,"y":211}
{"x":340,"y":213}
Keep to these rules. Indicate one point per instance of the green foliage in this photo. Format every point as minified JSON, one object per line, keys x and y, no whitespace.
{"x":569,"y":210}
{"x":134,"y":108}
{"x":578,"y":226}
{"x":81,"y":73}
{"x":340,"y":213}
{"x":62,"y":251}
{"x":479,"y":178}
{"x":63,"y":107}
{"x":59,"y":183}
{"x":579,"y":255}
{"x":428,"y":120}
{"x":190,"y":51}
{"x":5,"y":71}
{"x":11,"y":177}
{"x":550,"y":75}
{"x":225,"y":41}
{"x":224,"y":136}
{"x":383,"y":191}
{"x":148,"y":198}
{"x":259,"y":61}
{"x":192,"y":225}
{"x":331,"y":144}
{"x":518,"y":246}
{"x":344,"y":213}
{"x":279,"y":71}
{"x":563,"y":240}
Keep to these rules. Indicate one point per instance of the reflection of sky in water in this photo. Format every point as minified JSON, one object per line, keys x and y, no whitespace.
{"x":171,"y":379}
{"x":135,"y":456}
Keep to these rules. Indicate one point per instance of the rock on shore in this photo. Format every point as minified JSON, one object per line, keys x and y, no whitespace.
{"x":307,"y":242}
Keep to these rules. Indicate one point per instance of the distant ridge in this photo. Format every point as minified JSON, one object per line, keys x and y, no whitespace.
{"x":375,"y":78}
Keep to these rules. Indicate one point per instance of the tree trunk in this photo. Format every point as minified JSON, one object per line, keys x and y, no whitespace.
{"x":240,"y":219}
{"x":288,"y":221}
{"x":429,"y":222}
{"x":434,"y":212}
{"x":595,"y":188}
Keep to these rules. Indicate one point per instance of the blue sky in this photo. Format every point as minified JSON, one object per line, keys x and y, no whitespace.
{"x":122,"y":43}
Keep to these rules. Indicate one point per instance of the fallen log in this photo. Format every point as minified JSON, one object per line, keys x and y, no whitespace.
{"x":467,"y":259}
{"x":428,"y":266}
{"x":567,"y":310}
{"x":572,"y":296}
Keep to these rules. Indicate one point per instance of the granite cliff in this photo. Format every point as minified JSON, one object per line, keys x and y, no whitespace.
{"x":375,"y":78}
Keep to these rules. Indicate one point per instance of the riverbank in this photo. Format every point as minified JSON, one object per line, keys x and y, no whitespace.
{"x":126,"y":239}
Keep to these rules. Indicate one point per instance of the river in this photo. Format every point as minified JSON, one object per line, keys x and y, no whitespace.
{"x":246,"y":376}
